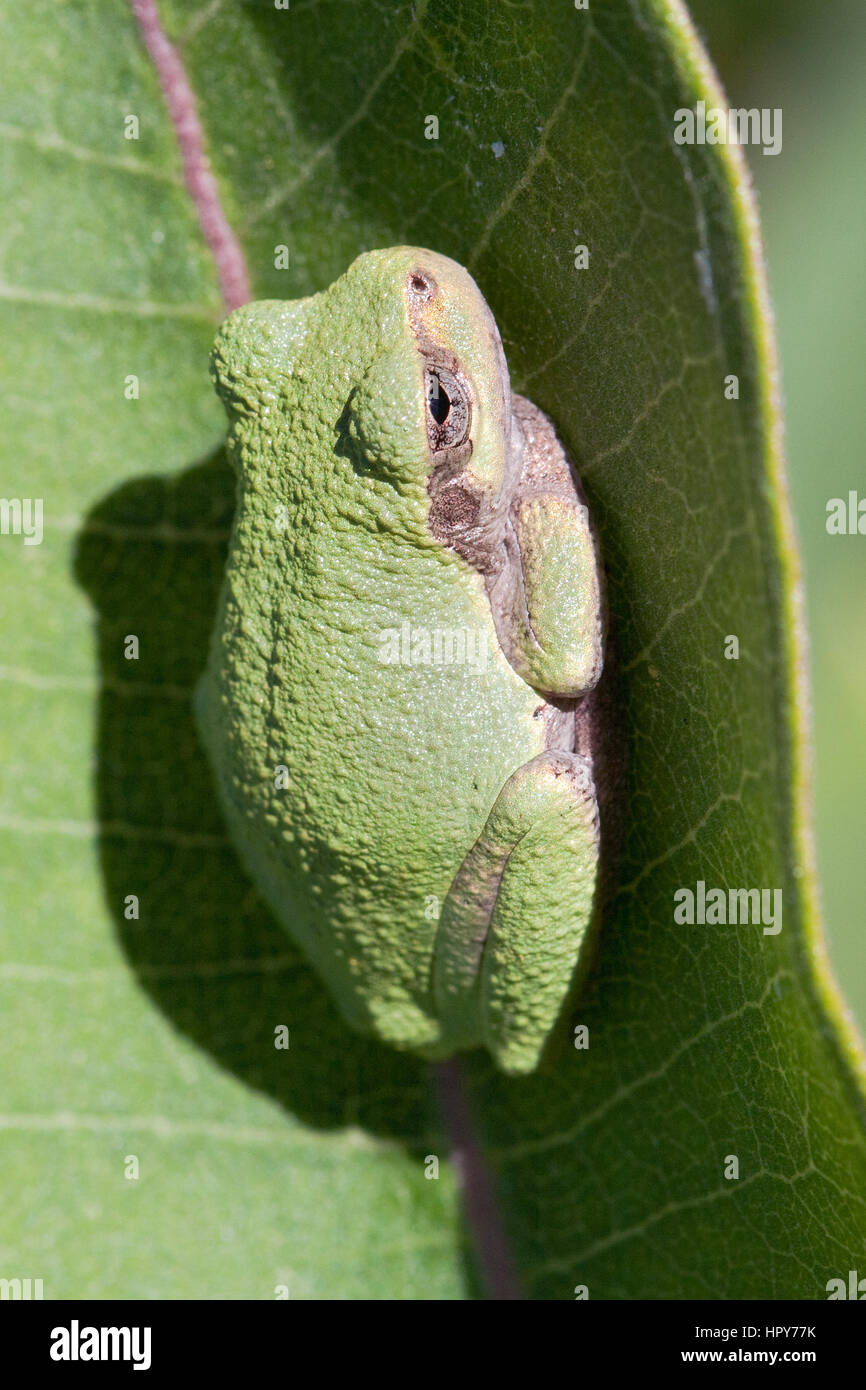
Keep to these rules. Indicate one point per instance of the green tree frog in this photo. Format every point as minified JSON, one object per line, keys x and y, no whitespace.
{"x":410,"y":619}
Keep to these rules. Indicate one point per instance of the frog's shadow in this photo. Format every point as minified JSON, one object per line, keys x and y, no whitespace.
{"x":205,"y":949}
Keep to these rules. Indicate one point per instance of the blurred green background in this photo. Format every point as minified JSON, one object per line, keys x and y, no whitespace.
{"x":809,"y":59}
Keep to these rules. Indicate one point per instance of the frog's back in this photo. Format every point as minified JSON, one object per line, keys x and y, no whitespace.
{"x":363,"y":720}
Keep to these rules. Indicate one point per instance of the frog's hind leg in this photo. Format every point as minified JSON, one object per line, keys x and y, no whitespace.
{"x":517,"y":913}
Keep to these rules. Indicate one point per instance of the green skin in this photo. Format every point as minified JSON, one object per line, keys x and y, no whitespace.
{"x":424,"y":829}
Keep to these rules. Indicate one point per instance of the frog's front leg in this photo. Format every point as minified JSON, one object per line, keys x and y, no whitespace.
{"x":546,"y":598}
{"x":516,"y":915}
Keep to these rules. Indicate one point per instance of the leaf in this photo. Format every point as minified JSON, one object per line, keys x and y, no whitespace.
{"x":154,"y":1036}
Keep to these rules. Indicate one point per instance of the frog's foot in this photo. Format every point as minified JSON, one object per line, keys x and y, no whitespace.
{"x":546,"y":598}
{"x":516,"y":915}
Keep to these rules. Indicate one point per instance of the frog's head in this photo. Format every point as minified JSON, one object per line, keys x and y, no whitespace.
{"x":395,"y":379}
{"x":255,"y":353}
{"x":431,"y":409}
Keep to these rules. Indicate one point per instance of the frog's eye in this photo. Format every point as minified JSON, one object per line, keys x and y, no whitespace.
{"x":448,"y":410}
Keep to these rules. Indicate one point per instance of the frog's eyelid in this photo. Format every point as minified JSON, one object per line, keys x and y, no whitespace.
{"x":448,"y":396}
{"x":449,"y":408}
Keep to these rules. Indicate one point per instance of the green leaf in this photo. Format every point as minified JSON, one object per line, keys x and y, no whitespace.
{"x":154,"y":1036}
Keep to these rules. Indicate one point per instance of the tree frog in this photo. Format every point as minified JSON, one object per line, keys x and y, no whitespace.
{"x":410,"y":620}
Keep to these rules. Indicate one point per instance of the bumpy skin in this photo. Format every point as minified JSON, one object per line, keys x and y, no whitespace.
{"x":386,"y":476}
